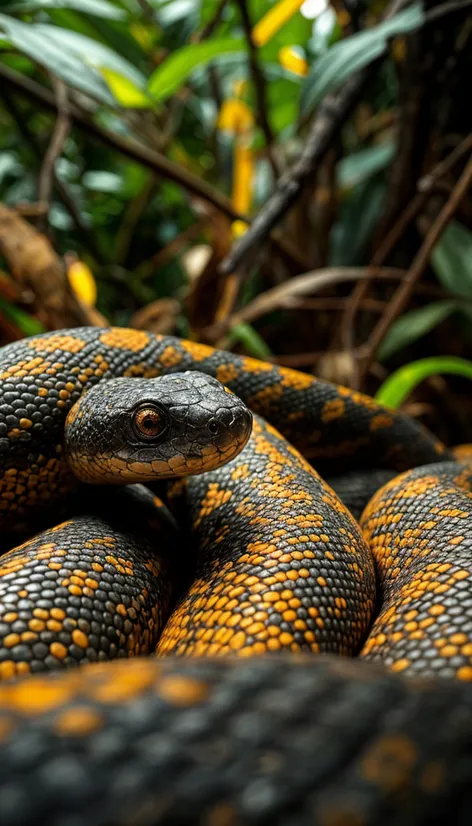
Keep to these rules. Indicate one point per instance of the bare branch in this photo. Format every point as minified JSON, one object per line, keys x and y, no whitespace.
{"x":58,"y":138}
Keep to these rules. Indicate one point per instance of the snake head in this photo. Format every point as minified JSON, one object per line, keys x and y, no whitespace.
{"x":139,"y":430}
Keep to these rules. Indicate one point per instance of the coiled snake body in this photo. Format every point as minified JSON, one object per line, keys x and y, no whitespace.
{"x":249,"y":713}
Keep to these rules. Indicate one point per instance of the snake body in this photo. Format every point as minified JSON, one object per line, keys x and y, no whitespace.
{"x":290,"y":735}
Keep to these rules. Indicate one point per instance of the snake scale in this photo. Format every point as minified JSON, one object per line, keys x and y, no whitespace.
{"x":261,"y":597}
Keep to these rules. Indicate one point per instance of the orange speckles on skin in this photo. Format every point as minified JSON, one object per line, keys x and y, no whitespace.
{"x":36,"y":625}
{"x":199,"y":352}
{"x":464,"y":673}
{"x":226,"y":373}
{"x":170,"y":357}
{"x":25,"y":424}
{"x":7,"y":670}
{"x":182,"y":691}
{"x":127,"y":681}
{"x":390,"y":761}
{"x":295,"y":380}
{"x":380,"y":421}
{"x":333,"y":409}
{"x":79,"y":721}
{"x":67,"y":343}
{"x":240,"y":472}
{"x":400,"y":665}
{"x":215,"y":497}
{"x":237,"y":641}
{"x":37,"y":695}
{"x":10,"y":640}
{"x":58,"y":650}
{"x":125,"y":339}
{"x":79,"y":638}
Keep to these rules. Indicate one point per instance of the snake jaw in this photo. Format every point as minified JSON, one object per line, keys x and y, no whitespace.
{"x":139,"y":430}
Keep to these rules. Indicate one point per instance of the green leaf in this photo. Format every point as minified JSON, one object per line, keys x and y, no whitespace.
{"x":92,"y":53}
{"x":125,"y":92}
{"x":102,"y":181}
{"x":99,"y":8}
{"x":413,"y":325}
{"x":402,"y":382}
{"x":354,"y":53}
{"x":33,"y":41}
{"x":355,"y":168}
{"x":252,"y":341}
{"x":174,"y":71}
{"x":28,"y":325}
{"x":451,"y":259}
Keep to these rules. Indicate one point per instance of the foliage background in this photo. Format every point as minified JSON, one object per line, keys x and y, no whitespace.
{"x":136,"y":136}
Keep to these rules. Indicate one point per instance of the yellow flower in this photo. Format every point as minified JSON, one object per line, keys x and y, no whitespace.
{"x":235,"y":116}
{"x":82,"y":282}
{"x":243,"y":173}
{"x":291,"y":60}
{"x":270,"y":24}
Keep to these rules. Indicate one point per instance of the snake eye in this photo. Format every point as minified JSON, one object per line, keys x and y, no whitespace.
{"x":213,"y":427}
{"x":149,"y":422}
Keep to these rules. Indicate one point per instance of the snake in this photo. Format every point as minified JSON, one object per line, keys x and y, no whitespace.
{"x":237,"y":647}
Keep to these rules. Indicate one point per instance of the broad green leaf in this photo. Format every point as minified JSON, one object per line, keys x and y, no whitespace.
{"x":354,"y":53}
{"x":49,"y":52}
{"x":99,"y":8}
{"x":125,"y":92}
{"x":102,"y":181}
{"x":357,"y":167}
{"x":451,"y":259}
{"x":93,"y":54}
{"x":174,"y":10}
{"x":250,"y":338}
{"x":413,"y":325}
{"x":174,"y":71}
{"x":402,"y":382}
{"x":28,"y":325}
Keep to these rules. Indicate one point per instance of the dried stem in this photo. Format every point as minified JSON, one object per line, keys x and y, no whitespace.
{"x":58,"y":138}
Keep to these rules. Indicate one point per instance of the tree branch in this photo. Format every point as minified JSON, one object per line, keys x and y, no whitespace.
{"x":330,"y":117}
{"x":131,"y":148}
{"x":62,"y":190}
{"x":58,"y":138}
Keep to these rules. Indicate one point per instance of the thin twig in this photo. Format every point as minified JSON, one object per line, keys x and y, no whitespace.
{"x":260,"y":88}
{"x":283,"y":295}
{"x":170,"y":251}
{"x":425,"y":185}
{"x":400,"y":299}
{"x":58,"y":138}
{"x":61,"y":188}
{"x":150,"y":158}
{"x":210,"y":27}
{"x":149,"y":12}
{"x":330,"y":116}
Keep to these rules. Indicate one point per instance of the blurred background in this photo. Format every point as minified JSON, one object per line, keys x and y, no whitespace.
{"x":287,"y":179}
